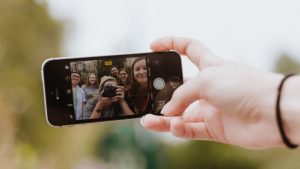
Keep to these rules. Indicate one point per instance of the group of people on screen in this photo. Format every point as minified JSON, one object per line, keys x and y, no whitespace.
{"x":112,"y":95}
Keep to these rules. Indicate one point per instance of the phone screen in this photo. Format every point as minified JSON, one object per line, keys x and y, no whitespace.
{"x":91,"y":89}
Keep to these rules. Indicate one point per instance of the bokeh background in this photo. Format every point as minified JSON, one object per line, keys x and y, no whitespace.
{"x":262,"y":33}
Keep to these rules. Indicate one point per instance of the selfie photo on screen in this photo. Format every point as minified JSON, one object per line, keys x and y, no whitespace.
{"x":104,"y":88}
{"x":122,"y":88}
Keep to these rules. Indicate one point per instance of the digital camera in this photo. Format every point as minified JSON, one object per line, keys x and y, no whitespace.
{"x":109,"y":91}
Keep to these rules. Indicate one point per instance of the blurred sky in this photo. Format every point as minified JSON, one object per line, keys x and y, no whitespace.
{"x":255,"y":32}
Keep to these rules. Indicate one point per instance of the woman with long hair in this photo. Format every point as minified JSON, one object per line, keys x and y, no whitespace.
{"x":90,"y":89}
{"x":139,"y":92}
{"x":124,"y":79}
{"x":126,"y":83}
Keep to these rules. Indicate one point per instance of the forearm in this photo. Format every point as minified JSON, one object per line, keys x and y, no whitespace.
{"x":126,"y":109}
{"x":97,"y":111}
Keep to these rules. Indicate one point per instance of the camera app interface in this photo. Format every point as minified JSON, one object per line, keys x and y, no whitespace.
{"x":118,"y":87}
{"x":110,"y":88}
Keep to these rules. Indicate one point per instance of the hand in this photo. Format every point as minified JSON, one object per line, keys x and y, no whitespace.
{"x":119,"y":94}
{"x":225,"y":102}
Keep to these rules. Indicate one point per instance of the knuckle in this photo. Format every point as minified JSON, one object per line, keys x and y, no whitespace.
{"x":176,"y":94}
{"x":206,"y":76}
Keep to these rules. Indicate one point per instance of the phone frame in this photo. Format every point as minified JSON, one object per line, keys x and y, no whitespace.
{"x":84,"y":58}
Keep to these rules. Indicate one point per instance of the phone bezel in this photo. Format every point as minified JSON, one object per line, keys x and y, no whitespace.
{"x":83,"y":58}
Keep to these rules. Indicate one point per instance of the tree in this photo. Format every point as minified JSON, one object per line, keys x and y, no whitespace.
{"x":27,"y":36}
{"x":286,"y":64}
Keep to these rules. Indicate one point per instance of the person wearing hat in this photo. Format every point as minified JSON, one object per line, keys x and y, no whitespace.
{"x":111,"y":102}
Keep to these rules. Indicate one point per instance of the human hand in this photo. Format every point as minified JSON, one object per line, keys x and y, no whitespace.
{"x":226,"y":101}
{"x":119,"y":94}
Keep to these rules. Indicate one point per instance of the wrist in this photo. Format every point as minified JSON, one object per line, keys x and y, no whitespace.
{"x":99,"y":105}
{"x":121,"y":100}
{"x":290,"y":108}
{"x":266,"y":99}
{"x":99,"y":110}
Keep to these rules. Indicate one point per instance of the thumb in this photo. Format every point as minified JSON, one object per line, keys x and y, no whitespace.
{"x":184,"y":96}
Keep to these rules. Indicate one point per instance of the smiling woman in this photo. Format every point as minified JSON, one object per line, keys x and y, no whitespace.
{"x":139,"y":88}
{"x":90,"y":89}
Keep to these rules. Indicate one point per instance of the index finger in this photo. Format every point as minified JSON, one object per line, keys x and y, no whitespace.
{"x":120,"y":87}
{"x":200,"y":55}
{"x":120,"y":90}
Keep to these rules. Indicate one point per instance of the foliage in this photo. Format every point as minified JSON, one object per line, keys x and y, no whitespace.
{"x":27,"y":36}
{"x":286,"y":64}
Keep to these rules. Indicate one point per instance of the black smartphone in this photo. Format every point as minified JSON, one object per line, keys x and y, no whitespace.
{"x":102,"y":88}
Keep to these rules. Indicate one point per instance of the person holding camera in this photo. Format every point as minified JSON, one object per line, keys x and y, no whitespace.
{"x":111,"y":102}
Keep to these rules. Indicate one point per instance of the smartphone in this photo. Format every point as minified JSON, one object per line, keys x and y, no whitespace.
{"x":92,"y":89}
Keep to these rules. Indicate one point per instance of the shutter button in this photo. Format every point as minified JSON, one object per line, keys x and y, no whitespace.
{"x":159,"y":83}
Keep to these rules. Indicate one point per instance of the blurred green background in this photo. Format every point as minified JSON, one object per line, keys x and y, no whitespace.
{"x":27,"y":36}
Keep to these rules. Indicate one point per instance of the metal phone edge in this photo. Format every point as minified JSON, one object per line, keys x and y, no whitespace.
{"x":44,"y":92}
